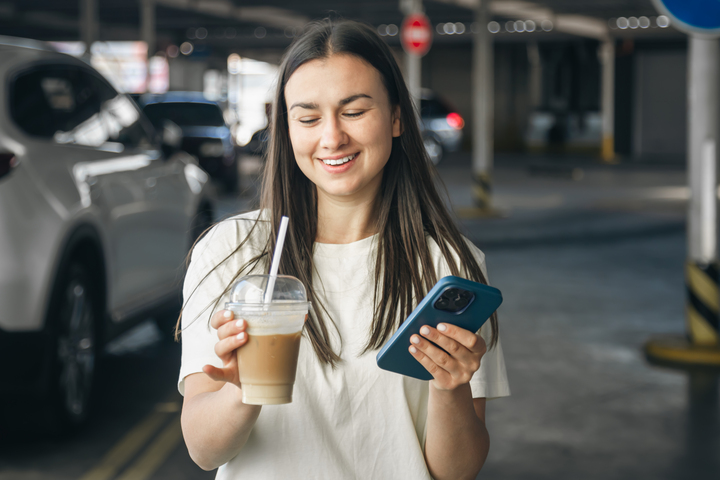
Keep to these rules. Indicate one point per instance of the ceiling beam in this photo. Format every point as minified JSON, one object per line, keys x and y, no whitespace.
{"x":580,"y":25}
{"x":269,"y":16}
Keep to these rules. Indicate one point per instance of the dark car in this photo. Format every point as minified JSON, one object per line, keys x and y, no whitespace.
{"x":440,"y":125}
{"x":205,"y":133}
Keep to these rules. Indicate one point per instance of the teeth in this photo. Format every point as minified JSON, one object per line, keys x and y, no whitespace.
{"x":339,"y":161}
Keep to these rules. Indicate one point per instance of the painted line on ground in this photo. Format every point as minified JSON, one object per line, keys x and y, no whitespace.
{"x":126,"y":448}
{"x":157,"y":453}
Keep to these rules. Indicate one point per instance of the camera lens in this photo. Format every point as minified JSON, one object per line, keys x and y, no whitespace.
{"x":451,"y":292}
{"x":442,"y":303}
{"x":461,"y":303}
{"x":465,"y":294}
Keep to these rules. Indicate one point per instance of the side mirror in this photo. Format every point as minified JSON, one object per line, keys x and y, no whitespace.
{"x":171,"y":137}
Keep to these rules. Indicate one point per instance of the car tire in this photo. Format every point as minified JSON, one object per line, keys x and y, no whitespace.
{"x":74,"y":315}
{"x":434,"y":149}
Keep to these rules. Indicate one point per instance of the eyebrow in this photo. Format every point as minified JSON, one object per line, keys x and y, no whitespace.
{"x":344,"y":101}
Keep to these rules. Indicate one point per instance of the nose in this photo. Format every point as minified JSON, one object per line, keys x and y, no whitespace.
{"x":333,"y":134}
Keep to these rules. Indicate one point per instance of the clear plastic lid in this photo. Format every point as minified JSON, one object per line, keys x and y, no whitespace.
{"x":250,"y":290}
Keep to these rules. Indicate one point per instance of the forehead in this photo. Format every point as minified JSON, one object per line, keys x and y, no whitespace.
{"x":334,"y":78}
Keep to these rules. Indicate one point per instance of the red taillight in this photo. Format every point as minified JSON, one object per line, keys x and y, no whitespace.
{"x":455,"y":120}
{"x":7,"y":163}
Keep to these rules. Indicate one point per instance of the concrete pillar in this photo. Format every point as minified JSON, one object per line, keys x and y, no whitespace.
{"x":701,"y":345}
{"x":482,"y":81}
{"x":607,"y":60}
{"x":147,"y":25}
{"x":535,"y":74}
{"x":704,"y":77}
{"x":89,"y":22}
{"x":413,"y":63}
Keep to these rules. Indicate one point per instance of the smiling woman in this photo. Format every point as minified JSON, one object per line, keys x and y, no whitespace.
{"x":369,"y":236}
{"x":341,"y":127}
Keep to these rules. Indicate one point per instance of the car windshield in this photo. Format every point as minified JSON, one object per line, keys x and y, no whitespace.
{"x":433,"y":107}
{"x":185,"y":114}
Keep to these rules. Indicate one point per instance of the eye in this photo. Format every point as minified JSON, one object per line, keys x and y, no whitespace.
{"x":307,"y":121}
{"x":354,"y":114}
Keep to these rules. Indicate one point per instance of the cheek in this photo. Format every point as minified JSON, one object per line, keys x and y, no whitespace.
{"x":300,"y":143}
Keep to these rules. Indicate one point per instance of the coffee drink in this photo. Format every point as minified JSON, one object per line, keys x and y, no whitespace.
{"x":267,"y":365}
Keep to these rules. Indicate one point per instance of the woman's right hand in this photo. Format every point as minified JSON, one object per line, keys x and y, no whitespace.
{"x":231,"y":334}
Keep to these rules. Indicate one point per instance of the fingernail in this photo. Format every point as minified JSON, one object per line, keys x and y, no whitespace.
{"x":241,"y":336}
{"x":228,"y":314}
{"x":414,"y":339}
{"x":240,"y":323}
{"x":424,"y":330}
{"x":442,"y":327}
{"x":413,"y":350}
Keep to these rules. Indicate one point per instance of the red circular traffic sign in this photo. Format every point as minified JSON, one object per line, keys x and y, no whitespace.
{"x":416,"y":34}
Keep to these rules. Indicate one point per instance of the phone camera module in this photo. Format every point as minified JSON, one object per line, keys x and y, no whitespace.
{"x":451,"y":293}
{"x":442,"y":303}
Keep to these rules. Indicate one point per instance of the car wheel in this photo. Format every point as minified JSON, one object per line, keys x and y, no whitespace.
{"x":434,"y":149}
{"x":75,"y":321}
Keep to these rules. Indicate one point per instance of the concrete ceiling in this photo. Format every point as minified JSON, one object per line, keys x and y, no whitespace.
{"x":268,"y":24}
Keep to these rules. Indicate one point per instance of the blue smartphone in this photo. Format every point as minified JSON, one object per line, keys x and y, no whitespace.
{"x":452,"y":300}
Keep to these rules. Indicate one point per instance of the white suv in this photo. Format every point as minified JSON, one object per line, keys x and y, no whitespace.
{"x":96,"y":218}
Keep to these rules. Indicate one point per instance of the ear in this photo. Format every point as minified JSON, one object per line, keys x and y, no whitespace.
{"x":397,"y":127}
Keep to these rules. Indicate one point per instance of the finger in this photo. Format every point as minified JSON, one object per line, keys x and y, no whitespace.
{"x":438,"y":356}
{"x":221,"y":318}
{"x":451,"y":346}
{"x":470,"y":340}
{"x":231,"y":328}
{"x":218,"y":374}
{"x":225,"y":347}
{"x":433,"y":368}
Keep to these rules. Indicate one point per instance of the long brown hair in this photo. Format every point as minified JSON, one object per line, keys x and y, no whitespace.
{"x":409,"y":207}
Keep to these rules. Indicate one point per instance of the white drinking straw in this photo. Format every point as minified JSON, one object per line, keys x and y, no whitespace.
{"x":276,"y":259}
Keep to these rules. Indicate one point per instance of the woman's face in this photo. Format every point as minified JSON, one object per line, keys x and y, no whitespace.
{"x":341,"y":125}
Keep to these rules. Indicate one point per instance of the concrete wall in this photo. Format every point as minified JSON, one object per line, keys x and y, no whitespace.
{"x":660,"y":113}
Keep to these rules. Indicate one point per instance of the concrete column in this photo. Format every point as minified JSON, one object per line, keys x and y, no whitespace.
{"x":147,"y":25}
{"x":607,"y":60}
{"x":482,"y":80}
{"x":704,"y":77}
{"x":413,"y":63}
{"x":535,"y":74}
{"x":89,"y":22}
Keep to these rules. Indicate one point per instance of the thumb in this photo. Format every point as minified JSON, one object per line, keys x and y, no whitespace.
{"x":217,"y":374}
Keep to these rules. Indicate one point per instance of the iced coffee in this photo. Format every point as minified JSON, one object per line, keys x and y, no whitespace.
{"x":268,"y":361}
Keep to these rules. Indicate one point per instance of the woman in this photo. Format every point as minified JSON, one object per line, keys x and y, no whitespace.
{"x":368,"y":236}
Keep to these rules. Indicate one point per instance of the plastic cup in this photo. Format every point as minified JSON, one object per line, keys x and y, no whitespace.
{"x":268,"y":361}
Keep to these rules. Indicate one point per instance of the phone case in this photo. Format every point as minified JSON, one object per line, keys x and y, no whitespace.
{"x":395,"y":356}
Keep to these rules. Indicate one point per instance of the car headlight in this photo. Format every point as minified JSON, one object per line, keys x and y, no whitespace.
{"x":212,"y":148}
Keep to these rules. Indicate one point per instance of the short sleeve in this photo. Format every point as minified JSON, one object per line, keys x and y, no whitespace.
{"x":214,"y":264}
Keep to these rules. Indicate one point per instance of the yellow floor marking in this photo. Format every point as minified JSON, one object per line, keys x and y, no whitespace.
{"x":158,"y":451}
{"x":126,"y":448}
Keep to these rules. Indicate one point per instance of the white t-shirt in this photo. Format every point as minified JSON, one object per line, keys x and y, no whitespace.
{"x":354,"y":422}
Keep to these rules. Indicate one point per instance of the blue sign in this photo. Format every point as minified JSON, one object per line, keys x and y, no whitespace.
{"x":692,"y":16}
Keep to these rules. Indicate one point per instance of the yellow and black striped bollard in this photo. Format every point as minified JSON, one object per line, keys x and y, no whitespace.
{"x":701,"y":346}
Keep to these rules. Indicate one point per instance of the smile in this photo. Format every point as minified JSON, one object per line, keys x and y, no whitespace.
{"x":340,"y":161}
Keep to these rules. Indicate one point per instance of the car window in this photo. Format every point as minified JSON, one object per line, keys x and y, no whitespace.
{"x":185,"y":114}
{"x":72,"y":105}
{"x":433,"y":107}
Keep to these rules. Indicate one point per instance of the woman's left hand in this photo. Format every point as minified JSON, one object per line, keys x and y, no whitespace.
{"x":457,"y":359}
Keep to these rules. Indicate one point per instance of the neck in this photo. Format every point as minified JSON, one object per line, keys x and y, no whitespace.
{"x":345,"y":220}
